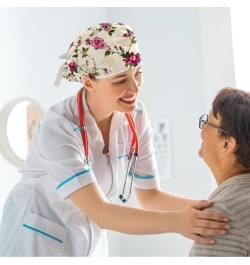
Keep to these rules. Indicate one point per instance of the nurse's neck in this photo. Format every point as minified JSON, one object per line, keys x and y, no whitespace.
{"x":100,"y":113}
{"x":102,"y":117}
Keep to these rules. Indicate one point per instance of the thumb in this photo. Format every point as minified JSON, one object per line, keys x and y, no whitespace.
{"x":199,"y":205}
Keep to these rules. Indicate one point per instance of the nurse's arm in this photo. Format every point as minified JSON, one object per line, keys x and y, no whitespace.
{"x":92,"y":202}
{"x":155,"y":199}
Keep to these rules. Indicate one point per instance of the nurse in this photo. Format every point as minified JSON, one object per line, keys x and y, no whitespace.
{"x":83,"y":156}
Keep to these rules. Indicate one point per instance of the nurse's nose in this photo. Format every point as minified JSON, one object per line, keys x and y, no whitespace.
{"x":134,"y":86}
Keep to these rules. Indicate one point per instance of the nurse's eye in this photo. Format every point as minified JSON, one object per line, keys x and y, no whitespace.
{"x":138,"y":73}
{"x":121,"y":81}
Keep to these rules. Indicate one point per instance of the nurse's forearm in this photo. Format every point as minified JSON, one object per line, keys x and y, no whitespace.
{"x":155,"y":199}
{"x":190,"y":222}
{"x":136,"y":221}
{"x":91,"y":201}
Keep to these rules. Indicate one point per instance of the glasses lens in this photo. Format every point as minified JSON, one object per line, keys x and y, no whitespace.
{"x":202,"y":121}
{"x":201,"y":124}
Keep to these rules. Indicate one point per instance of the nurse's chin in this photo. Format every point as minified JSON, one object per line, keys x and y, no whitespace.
{"x":127,"y":107}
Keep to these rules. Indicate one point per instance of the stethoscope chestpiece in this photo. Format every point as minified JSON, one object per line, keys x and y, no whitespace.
{"x":131,"y":167}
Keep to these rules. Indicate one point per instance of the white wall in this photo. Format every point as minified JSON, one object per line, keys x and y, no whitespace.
{"x":31,"y":41}
{"x":187,"y":57}
{"x":217,"y":51}
{"x":241,"y":42}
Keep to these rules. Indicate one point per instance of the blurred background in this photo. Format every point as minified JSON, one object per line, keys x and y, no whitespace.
{"x":188,"y":54}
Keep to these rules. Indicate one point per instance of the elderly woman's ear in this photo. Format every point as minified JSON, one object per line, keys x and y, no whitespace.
{"x":229,"y":145}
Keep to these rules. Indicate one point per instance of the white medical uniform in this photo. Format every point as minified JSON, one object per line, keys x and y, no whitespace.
{"x":38,"y":218}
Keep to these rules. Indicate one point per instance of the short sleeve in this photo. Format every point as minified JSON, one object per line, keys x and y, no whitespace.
{"x":146,"y":173}
{"x":232,"y":244}
{"x":59,"y":149}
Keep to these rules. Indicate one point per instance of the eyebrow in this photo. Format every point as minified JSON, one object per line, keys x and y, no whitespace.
{"x":119,"y":76}
{"x":123,"y":75}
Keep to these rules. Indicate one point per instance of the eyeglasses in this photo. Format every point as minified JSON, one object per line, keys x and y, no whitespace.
{"x":204,"y":121}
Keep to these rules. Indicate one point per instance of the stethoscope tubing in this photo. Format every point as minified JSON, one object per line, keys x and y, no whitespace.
{"x":135,"y":140}
{"x":83,"y":128}
{"x":134,"y":147}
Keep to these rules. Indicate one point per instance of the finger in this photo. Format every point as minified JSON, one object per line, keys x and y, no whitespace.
{"x":203,"y":240}
{"x":199,"y":205}
{"x":212,"y":216}
{"x":209,"y":231}
{"x":211,"y":224}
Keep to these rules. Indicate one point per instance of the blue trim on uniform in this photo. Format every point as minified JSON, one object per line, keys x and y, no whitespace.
{"x":141,"y":177}
{"x":138,"y":110}
{"x":74,"y":176}
{"x":77,"y":129}
{"x":121,"y":156}
{"x":43,"y":233}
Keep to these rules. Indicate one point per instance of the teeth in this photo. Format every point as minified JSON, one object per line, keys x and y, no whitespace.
{"x":128,"y":99}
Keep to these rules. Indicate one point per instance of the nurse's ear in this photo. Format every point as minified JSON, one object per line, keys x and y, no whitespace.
{"x":87,"y":83}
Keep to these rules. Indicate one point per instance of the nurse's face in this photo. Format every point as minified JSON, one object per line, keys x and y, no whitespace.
{"x":119,"y":92}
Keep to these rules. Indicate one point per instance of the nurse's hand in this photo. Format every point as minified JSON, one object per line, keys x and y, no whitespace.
{"x":195,"y":223}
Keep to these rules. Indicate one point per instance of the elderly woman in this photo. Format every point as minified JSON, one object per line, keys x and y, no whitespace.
{"x":226,"y":150}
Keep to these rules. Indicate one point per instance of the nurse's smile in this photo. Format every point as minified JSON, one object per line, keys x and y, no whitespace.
{"x":129,"y":100}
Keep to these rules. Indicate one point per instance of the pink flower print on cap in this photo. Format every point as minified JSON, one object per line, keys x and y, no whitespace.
{"x":72,"y":66}
{"x":106,"y":26}
{"x":98,"y":43}
{"x":132,"y":59}
{"x":102,"y":50}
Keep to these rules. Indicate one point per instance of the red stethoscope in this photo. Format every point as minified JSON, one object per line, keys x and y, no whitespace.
{"x":133,"y":151}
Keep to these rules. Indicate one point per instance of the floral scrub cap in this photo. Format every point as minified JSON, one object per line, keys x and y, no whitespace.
{"x":100,"y":51}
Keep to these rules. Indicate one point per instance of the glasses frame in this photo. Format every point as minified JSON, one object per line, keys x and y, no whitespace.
{"x":206,"y":122}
